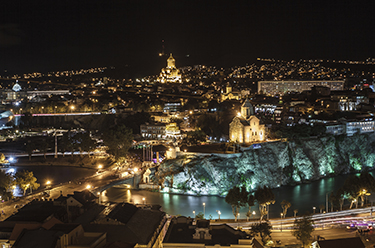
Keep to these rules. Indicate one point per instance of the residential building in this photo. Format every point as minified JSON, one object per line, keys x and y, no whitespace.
{"x":60,"y":235}
{"x":128,"y":225}
{"x":183,"y":232}
{"x":153,"y":130}
{"x":355,"y":242}
{"x":281,"y":87}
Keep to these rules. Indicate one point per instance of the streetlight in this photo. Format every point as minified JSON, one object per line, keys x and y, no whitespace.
{"x":144,"y":200}
{"x":100,"y":166}
{"x":281,"y":225}
{"x":194,"y":214}
{"x":204,"y":210}
{"x":72,"y":108}
{"x":88,"y":186}
{"x":99,"y":197}
{"x":254,"y":214}
{"x":314,"y":210}
{"x":218,"y":212}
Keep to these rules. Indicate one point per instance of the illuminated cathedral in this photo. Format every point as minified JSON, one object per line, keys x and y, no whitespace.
{"x":245,"y":127}
{"x":170,"y":74}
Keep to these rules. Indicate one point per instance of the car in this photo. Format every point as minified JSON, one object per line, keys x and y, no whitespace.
{"x":351,"y":227}
{"x":46,"y":194}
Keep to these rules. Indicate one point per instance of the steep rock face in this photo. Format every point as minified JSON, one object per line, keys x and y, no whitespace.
{"x":275,"y":164}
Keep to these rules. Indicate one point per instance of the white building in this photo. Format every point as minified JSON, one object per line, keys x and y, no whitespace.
{"x":282,"y":87}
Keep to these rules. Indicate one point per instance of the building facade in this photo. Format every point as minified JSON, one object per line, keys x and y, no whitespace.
{"x":281,"y":87}
{"x":246,"y":127}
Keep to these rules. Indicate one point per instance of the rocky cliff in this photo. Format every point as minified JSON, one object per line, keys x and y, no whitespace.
{"x":274,"y":164}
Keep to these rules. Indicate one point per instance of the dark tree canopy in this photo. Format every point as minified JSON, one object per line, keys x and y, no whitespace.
{"x":303,"y":229}
{"x":264,"y":196}
{"x":263,"y":230}
{"x":119,"y":140}
{"x":237,"y":198}
{"x":25,"y":179}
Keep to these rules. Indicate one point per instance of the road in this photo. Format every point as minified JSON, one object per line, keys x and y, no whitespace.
{"x":96,"y":180}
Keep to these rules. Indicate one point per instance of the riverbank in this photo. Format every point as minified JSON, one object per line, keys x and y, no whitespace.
{"x":73,"y":161}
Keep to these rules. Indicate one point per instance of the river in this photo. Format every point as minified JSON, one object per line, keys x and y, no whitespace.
{"x":302,"y":197}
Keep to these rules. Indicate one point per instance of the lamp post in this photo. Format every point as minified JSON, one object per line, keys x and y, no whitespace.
{"x":99,"y":198}
{"x":204,"y":210}
{"x":194,"y":214}
{"x":314,"y":210}
{"x":218,"y":212}
{"x":254,"y":214}
{"x":281,"y":222}
{"x":144,"y":200}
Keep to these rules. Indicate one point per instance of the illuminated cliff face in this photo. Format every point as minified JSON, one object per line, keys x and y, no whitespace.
{"x":273,"y":165}
{"x":170,"y":74}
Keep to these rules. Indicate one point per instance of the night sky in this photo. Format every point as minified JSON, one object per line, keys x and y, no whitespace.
{"x":58,"y":35}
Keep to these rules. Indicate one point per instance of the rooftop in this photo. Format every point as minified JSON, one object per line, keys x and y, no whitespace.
{"x":181,"y":230}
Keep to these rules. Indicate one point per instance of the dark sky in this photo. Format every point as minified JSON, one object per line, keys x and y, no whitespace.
{"x":70,"y":34}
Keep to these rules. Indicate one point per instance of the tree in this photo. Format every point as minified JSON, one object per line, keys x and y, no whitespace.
{"x":67,"y":143}
{"x":30,"y":146}
{"x":118,"y":140}
{"x":43,"y":146}
{"x":262,"y":229}
{"x":83,"y":142}
{"x":199,"y":215}
{"x":25,"y":179}
{"x":352,"y":188}
{"x":285,"y":205}
{"x":321,"y":207}
{"x":303,"y":227}
{"x":264,"y":196}
{"x":6,"y":181}
{"x":237,"y":198}
{"x":368,"y":185}
{"x":340,"y":195}
{"x":356,"y":187}
{"x":250,"y":202}
{"x":194,"y":137}
{"x":295,"y":212}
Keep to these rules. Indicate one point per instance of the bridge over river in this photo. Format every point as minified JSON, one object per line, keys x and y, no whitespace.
{"x":129,"y":182}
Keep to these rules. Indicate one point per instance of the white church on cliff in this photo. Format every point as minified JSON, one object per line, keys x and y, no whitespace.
{"x":245,"y":127}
